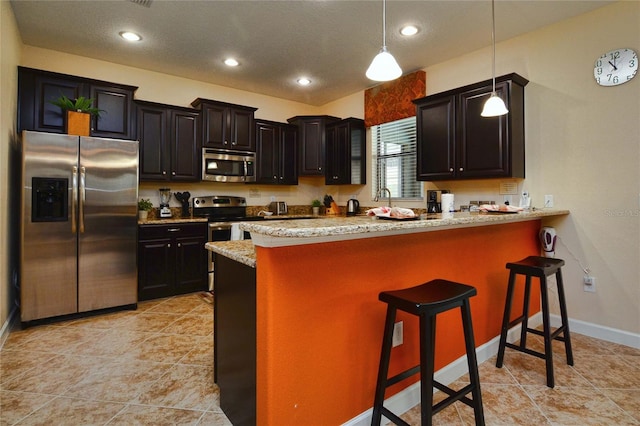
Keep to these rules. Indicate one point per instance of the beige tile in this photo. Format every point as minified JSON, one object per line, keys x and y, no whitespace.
{"x":201,"y":354}
{"x":168,"y":348}
{"x":117,"y":380}
{"x":611,"y":371}
{"x":112,"y":343}
{"x":211,"y":418}
{"x":625,"y":399}
{"x":14,"y":363}
{"x":55,"y":376}
{"x":107,"y":321}
{"x":183,"y":386}
{"x":578,"y":406}
{"x":70,"y":411}
{"x":150,"y":321}
{"x":507,"y":405}
{"x":195,"y":325}
{"x":179,"y":304}
{"x":138,"y":415}
{"x":16,"y":405}
{"x":530,"y":370}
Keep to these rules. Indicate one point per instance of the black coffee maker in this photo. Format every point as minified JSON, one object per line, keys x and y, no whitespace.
{"x":434,"y":200}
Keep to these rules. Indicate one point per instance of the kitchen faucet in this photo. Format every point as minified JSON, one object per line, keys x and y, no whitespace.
{"x":379,"y":193}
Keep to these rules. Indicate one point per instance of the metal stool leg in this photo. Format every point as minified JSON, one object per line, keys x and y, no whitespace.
{"x":383,"y":369}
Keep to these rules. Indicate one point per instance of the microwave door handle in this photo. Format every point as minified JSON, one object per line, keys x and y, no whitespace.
{"x":82,"y":199}
{"x":74,"y":197}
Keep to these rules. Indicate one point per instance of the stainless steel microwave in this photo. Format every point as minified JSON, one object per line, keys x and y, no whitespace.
{"x":228,"y":166}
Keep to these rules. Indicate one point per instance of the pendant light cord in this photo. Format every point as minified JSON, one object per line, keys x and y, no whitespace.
{"x":384,"y":24}
{"x":493,"y":41}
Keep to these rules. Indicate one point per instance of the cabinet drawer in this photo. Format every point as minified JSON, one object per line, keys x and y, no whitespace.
{"x":149,"y":232}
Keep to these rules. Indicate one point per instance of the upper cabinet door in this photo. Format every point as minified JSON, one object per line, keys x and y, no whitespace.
{"x":154,"y":150}
{"x":185,"y":151}
{"x":115,"y":120}
{"x":436,"y":139}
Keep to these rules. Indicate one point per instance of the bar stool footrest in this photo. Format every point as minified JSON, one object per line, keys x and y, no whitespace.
{"x":454,"y":396}
{"x":526,"y":350}
{"x":401,"y":376}
{"x":394,"y":418}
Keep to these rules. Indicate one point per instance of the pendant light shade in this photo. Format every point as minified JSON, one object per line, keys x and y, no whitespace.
{"x":494,"y":106}
{"x":384,"y":66}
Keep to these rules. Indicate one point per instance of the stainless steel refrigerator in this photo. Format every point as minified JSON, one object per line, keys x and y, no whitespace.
{"x":79,"y":224}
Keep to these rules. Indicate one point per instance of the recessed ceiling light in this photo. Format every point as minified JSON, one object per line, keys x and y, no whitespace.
{"x":130,"y":36}
{"x":304,"y":81}
{"x":409,"y":30}
{"x":231,"y":62}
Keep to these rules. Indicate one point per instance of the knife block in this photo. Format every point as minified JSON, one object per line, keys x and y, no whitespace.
{"x":333,"y":209}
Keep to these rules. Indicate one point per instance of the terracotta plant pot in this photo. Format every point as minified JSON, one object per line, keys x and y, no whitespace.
{"x":78,"y":123}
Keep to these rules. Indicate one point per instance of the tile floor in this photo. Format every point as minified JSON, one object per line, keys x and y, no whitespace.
{"x":153,"y":367}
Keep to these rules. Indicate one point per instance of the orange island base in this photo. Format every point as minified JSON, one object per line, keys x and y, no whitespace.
{"x":298,"y":328}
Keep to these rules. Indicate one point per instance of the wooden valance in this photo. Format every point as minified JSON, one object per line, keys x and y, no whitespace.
{"x":391,"y":101}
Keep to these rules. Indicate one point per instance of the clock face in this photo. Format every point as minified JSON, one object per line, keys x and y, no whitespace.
{"x":616,"y":67}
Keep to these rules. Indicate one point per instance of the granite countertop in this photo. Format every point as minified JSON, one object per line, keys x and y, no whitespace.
{"x":275,"y":233}
{"x":170,"y":220}
{"x":242,"y":251}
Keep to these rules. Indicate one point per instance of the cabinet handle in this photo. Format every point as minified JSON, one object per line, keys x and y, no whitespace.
{"x":451,"y":169}
{"x":234,"y":143}
{"x":319,"y":169}
{"x":173,"y":230}
{"x":275,"y":177}
{"x":173,"y":173}
{"x":179,"y":245}
{"x":281,"y":177}
{"x":169,"y":245}
{"x":226,"y":143}
{"x":461,"y":169}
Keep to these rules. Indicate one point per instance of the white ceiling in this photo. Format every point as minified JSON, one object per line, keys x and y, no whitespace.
{"x":330,"y":41}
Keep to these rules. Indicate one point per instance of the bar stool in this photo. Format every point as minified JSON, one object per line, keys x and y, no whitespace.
{"x":541,"y":267}
{"x":426,"y":301}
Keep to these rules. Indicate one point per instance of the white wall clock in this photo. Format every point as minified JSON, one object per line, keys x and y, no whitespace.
{"x":616,"y":67}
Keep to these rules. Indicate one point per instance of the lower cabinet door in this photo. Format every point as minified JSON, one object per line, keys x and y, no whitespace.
{"x":156,"y":267}
{"x":191,"y":265}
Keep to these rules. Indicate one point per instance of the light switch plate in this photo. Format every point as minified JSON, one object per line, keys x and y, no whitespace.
{"x":548,"y":200}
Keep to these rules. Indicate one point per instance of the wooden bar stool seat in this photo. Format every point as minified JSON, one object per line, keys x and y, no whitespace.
{"x":426,"y":301}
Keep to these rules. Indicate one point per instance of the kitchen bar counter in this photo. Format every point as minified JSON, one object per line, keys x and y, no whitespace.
{"x":308,"y":312}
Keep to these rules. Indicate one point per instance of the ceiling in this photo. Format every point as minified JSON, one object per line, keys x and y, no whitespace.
{"x":331,"y":42}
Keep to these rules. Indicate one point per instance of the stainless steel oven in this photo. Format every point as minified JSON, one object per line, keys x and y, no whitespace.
{"x":228,"y":166}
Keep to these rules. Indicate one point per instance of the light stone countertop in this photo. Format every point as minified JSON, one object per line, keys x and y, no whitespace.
{"x":172,"y":220}
{"x":242,"y":251}
{"x":277,"y":233}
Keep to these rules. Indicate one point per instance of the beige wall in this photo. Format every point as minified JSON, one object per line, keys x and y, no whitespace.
{"x":582,"y":144}
{"x":9,"y":58}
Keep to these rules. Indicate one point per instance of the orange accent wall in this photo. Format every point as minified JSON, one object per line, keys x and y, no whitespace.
{"x":320,"y":322}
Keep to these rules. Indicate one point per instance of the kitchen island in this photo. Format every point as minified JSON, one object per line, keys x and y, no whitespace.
{"x":300,"y":301}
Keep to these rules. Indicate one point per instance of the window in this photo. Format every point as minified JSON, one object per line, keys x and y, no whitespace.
{"x":394,"y":159}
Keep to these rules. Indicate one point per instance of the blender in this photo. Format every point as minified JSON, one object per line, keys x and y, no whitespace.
{"x":165,"y":196}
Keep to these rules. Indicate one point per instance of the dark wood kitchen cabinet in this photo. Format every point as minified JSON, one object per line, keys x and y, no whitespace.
{"x":312,"y":142}
{"x":37,"y":88}
{"x":346,"y":155}
{"x":169,"y":142}
{"x":276,"y":153}
{"x":171,"y":259}
{"x":456,"y":142}
{"x":226,"y":126}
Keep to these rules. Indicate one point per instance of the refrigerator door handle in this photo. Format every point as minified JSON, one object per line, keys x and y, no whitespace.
{"x":74,"y":197}
{"x":82,"y":199}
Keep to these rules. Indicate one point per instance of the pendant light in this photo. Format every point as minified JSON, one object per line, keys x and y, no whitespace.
{"x":384,"y":67}
{"x":494,"y":106}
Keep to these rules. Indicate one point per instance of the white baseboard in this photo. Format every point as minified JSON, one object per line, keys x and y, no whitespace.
{"x":408,"y":398}
{"x":8,"y":326}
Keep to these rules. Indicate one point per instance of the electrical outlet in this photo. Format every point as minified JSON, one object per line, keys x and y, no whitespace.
{"x":507,"y":199}
{"x":398,"y":334}
{"x":589,"y":283}
{"x":548,"y":200}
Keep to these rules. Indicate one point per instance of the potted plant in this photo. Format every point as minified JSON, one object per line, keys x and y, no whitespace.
{"x":315,"y":205}
{"x":144,"y":207}
{"x":78,"y":114}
